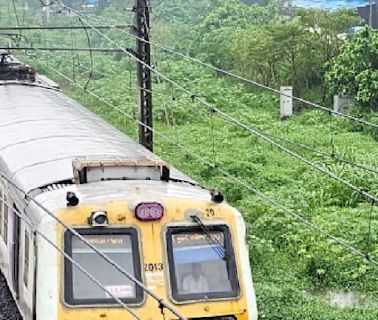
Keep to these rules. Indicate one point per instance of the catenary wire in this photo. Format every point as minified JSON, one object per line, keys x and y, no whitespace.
{"x":232,"y":120}
{"x":90,"y":54}
{"x":15,"y":12}
{"x":16,"y":15}
{"x":323,"y":153}
{"x":262,"y":195}
{"x":290,"y":152}
{"x":243,"y":79}
{"x":240,"y":124}
{"x":87,"y":243}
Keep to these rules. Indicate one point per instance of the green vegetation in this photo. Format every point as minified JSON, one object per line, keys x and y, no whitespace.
{"x":292,"y":266}
{"x":355,"y":71}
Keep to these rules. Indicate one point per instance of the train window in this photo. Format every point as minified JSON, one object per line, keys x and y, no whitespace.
{"x":121,"y":246}
{"x":26,"y":259}
{"x":193,"y":255}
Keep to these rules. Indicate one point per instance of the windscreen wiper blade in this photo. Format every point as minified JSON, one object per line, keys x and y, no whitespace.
{"x":214,"y":242}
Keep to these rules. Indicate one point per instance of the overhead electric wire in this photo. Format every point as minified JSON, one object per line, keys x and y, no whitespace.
{"x":230,"y":119}
{"x":262,"y":195}
{"x":295,"y":155}
{"x":90,"y":54}
{"x":241,"y":78}
{"x":325,"y":154}
{"x":32,"y":48}
{"x":91,"y":246}
{"x":331,"y":155}
{"x":44,"y":28}
{"x":15,"y":13}
{"x":238,"y":123}
{"x":69,"y":258}
{"x":314,"y":150}
{"x":272,"y":201}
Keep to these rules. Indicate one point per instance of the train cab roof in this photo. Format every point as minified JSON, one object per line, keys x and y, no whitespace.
{"x":131,"y":191}
{"x":43,"y":132}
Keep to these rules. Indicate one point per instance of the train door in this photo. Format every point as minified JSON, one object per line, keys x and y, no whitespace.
{"x":15,"y":250}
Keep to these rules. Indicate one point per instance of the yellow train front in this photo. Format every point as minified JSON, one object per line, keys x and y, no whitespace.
{"x":185,"y":247}
{"x":184,"y":244}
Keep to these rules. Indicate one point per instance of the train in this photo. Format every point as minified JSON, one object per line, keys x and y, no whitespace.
{"x":63,"y":168}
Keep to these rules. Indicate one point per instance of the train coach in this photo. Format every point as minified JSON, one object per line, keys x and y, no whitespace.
{"x":182,"y":242}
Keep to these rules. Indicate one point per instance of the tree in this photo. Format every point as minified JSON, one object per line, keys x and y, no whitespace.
{"x":276,"y":54}
{"x":326,"y":27}
{"x":355,"y":70}
{"x":294,"y":51}
{"x":218,"y":31}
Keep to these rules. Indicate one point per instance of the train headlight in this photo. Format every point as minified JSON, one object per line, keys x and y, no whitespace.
{"x":98,"y":219}
{"x":149,"y":211}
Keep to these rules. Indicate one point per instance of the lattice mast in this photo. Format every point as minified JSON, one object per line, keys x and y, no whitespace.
{"x":142,"y":27}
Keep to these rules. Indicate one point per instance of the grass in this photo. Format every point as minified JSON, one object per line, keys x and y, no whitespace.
{"x":287,"y":258}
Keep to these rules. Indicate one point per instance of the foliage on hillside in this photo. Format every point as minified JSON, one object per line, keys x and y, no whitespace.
{"x":355,"y":71}
{"x":249,"y":36}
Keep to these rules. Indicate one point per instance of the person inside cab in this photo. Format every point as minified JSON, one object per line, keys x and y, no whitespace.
{"x":195,"y":282}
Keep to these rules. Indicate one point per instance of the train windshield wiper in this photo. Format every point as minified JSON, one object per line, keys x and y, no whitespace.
{"x":213,"y":241}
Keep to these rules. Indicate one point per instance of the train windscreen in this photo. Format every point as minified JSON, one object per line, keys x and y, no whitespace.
{"x":121,"y":246}
{"x":194,"y":254}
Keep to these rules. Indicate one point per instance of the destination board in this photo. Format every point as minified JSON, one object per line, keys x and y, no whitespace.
{"x":196,"y":238}
{"x":103,"y":241}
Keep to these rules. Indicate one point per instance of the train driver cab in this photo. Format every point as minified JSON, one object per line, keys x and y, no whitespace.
{"x":202,"y":264}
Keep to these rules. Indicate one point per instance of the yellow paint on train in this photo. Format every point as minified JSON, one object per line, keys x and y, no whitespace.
{"x":153,"y":250}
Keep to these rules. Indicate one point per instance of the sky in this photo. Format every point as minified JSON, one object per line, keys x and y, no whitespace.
{"x":330,"y":4}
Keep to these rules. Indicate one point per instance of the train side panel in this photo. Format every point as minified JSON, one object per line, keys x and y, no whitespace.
{"x":17,"y":254}
{"x":47,"y":276}
{"x":246,"y":266}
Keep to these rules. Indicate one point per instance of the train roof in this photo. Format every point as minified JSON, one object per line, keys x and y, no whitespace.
{"x":43,"y":131}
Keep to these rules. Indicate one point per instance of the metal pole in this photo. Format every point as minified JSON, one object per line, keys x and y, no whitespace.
{"x":16,"y":28}
{"x":142,"y":26}
{"x":109,"y":50}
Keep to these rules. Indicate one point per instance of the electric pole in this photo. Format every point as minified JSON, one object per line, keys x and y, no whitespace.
{"x":143,"y":53}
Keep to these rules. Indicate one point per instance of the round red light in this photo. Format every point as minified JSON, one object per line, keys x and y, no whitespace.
{"x":149,"y":211}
